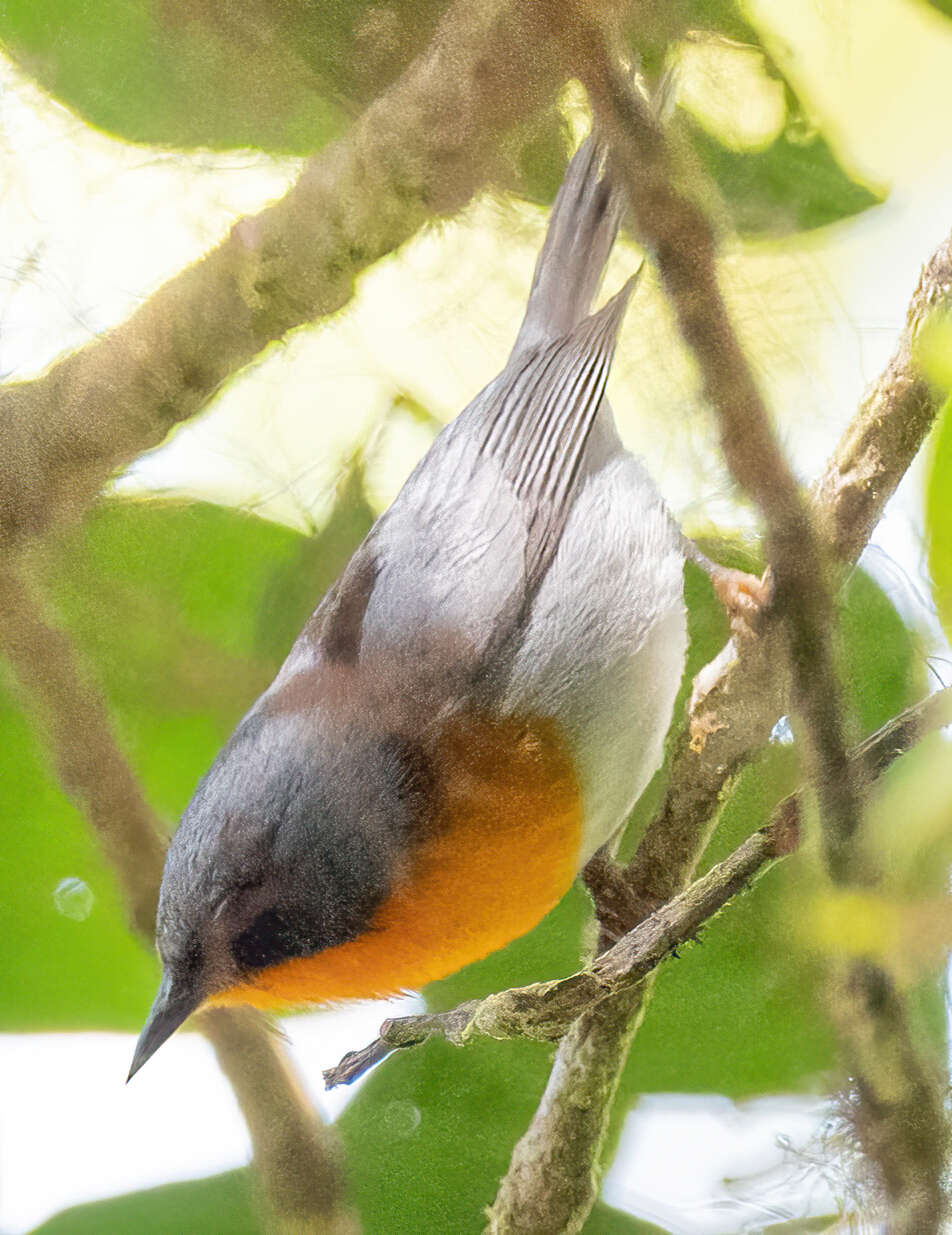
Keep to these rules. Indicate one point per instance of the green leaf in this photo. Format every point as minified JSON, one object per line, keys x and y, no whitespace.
{"x":939,"y":518}
{"x":191,"y":73}
{"x":57,"y":972}
{"x":883,"y":663}
{"x":932,"y":349}
{"x":944,"y":6}
{"x":792,"y":185}
{"x":607,"y":1221}
{"x":430,"y":1135}
{"x":221,"y":1203}
{"x":182,"y":614}
{"x":224,"y":1203}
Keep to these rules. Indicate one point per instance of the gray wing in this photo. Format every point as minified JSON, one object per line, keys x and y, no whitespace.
{"x":447,"y":574}
{"x":539,"y":421}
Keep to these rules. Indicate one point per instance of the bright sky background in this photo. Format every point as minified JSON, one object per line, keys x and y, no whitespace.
{"x":89,"y":226}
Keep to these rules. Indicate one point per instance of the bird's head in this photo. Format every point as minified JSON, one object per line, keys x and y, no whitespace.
{"x":287,"y":848}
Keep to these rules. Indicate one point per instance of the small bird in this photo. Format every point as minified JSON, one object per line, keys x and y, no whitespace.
{"x":474,"y":707}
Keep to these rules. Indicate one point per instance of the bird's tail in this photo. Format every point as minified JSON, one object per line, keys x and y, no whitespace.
{"x":582,"y":230}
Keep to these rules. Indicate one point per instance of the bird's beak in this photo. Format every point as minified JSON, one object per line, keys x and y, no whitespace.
{"x":169,"y":1010}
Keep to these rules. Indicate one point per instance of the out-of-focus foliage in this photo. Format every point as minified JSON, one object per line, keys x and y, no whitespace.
{"x":223,"y":1203}
{"x":438,"y":1135}
{"x":934,"y":352}
{"x":939,"y":515}
{"x":289,"y":77}
{"x":804,"y":1226}
{"x":934,"y":349}
{"x":792,"y":185}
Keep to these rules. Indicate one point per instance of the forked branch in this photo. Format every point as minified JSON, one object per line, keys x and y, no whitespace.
{"x":545,"y":1010}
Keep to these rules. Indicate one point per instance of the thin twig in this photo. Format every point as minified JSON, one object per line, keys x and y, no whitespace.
{"x":679,"y":235}
{"x":546,"y":1010}
{"x":298,"y":1165}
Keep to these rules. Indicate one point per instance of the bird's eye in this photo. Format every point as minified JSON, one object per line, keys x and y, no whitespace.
{"x":267,"y":941}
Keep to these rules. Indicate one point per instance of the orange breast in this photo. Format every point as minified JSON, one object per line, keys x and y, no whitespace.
{"x":503,"y":851}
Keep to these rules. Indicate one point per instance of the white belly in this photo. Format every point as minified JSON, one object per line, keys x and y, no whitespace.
{"x":605,"y":648}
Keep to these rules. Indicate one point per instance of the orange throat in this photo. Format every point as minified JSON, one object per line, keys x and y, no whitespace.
{"x":503,"y":851}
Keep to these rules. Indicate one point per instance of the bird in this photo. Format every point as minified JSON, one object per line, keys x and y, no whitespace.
{"x":473,"y":708}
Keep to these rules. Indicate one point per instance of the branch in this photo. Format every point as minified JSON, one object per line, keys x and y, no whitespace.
{"x":421,"y":150}
{"x":545,"y":1010}
{"x":296,"y":1159}
{"x":739,"y":697}
{"x":894,"y":417}
{"x":677,"y":232}
{"x":744,"y":692}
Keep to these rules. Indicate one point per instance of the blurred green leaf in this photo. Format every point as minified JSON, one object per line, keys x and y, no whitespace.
{"x":939,"y":518}
{"x":604,"y":1220}
{"x":430,"y":1135}
{"x":908,"y":823}
{"x":792,"y":185}
{"x":289,"y":77}
{"x":182,"y":613}
{"x":805,"y":1226}
{"x":176,"y":74}
{"x":221,"y":1203}
{"x":284,"y":77}
{"x":883,"y":662}
{"x":933,"y":348}
{"x":944,"y":6}
{"x":55,"y":972}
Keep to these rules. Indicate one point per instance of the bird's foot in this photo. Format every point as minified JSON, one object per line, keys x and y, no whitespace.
{"x":743,"y":595}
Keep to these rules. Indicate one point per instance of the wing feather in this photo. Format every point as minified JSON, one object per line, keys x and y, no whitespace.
{"x":539,"y":419}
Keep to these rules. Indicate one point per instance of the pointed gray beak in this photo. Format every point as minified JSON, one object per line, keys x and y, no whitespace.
{"x":169,"y":1010}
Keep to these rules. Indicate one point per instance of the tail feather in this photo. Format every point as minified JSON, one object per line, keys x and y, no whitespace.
{"x":582,"y":230}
